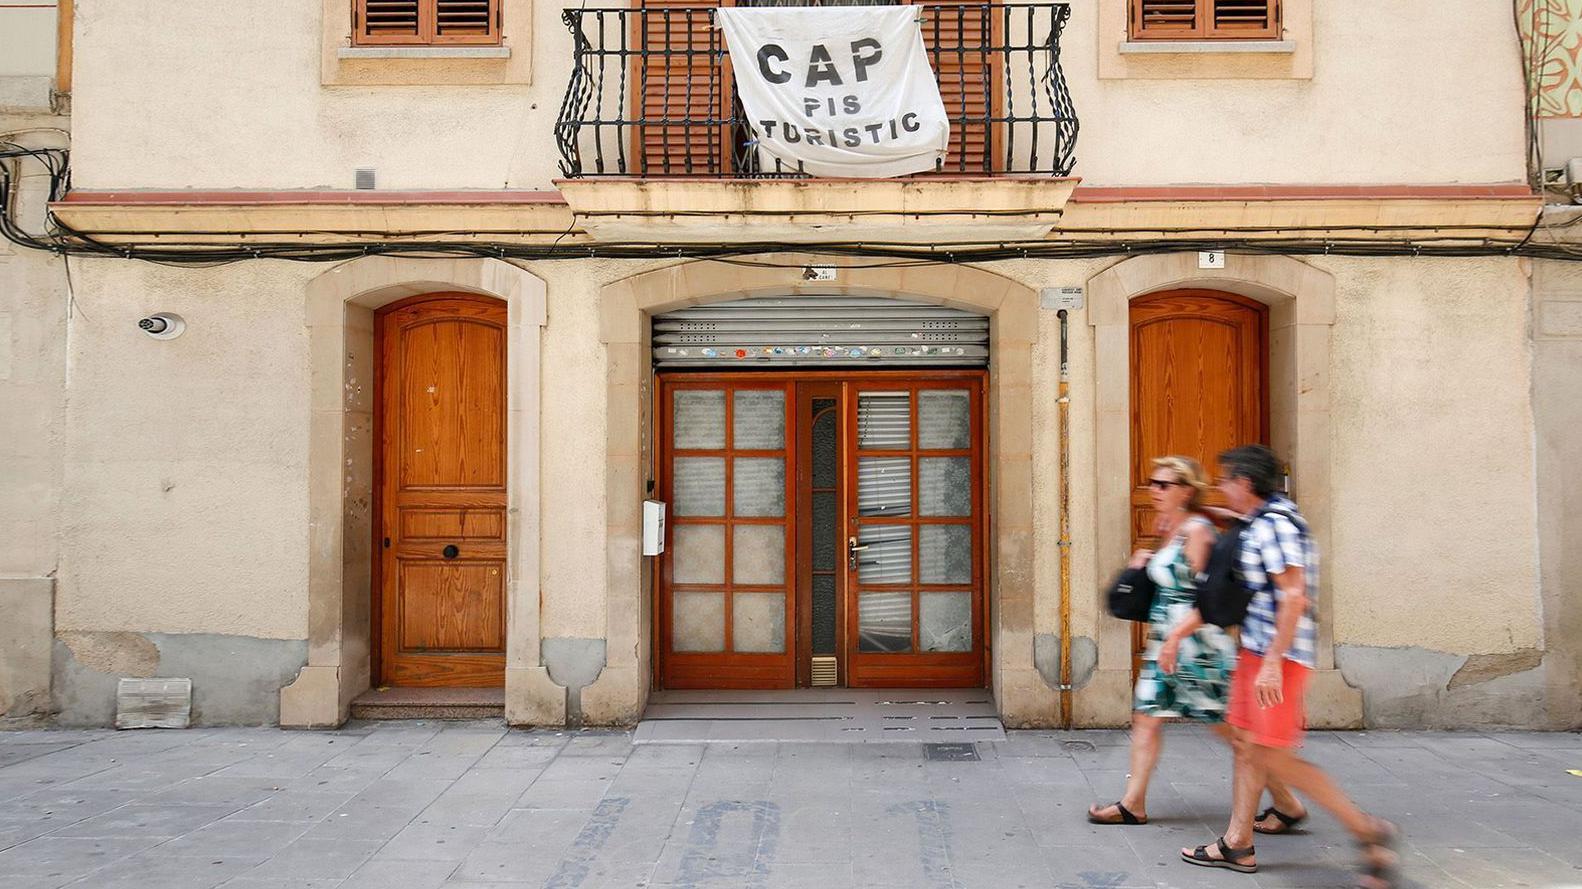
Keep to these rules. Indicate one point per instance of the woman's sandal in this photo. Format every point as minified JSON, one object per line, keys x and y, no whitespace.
{"x":1229,"y":858}
{"x":1127,"y":817}
{"x":1381,"y":864}
{"x":1287,"y":822}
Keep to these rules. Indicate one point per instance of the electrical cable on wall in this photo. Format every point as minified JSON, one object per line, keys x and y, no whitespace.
{"x":64,"y":240}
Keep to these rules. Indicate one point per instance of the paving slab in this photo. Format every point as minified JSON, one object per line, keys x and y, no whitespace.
{"x":473,"y":805}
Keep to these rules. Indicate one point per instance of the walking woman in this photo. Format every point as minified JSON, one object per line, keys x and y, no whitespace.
{"x":1187,"y":664}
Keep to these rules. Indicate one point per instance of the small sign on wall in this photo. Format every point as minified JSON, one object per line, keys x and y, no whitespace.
{"x":1056,"y":298}
{"x":1211,"y":259}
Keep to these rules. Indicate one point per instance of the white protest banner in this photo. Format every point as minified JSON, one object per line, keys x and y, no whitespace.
{"x":837,"y":90}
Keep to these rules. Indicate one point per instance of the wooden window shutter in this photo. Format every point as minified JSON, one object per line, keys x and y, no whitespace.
{"x":425,"y":22}
{"x":960,"y":36}
{"x":681,"y":82}
{"x":1205,"y":19}
{"x":389,"y":21}
{"x":465,"y":21}
{"x":1245,"y":19}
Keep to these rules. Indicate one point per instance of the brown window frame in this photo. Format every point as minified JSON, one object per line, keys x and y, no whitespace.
{"x":428,"y":28}
{"x":1205,"y":29}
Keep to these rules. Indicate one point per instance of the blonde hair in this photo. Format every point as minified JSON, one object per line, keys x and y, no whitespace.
{"x":1188,"y":471}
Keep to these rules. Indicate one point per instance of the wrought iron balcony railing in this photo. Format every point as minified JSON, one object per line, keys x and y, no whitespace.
{"x":651,"y":93}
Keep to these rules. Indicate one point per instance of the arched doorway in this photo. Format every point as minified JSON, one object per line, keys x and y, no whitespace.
{"x":440,"y":572}
{"x":1199,"y":385}
{"x":823,"y":458}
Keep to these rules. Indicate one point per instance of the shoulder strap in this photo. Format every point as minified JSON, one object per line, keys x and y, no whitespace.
{"x":1293,"y":518}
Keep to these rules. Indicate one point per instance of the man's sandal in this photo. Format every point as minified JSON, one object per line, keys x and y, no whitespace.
{"x":1229,"y":858}
{"x":1287,"y":822}
{"x":1381,"y":864}
{"x":1127,"y":817}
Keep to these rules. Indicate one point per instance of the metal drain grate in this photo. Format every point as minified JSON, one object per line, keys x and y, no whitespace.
{"x":951,"y":752}
{"x":1077,"y":746}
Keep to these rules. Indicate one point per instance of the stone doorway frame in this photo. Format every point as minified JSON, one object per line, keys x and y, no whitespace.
{"x":340,"y":308}
{"x":1301,"y":301}
{"x":625,"y":309}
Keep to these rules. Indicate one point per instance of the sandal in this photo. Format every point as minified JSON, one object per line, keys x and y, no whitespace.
{"x":1381,"y":864}
{"x":1229,"y":858}
{"x":1287,"y":822}
{"x":1127,"y":817}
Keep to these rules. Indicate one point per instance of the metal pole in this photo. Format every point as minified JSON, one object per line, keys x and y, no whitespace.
{"x":1063,"y":411}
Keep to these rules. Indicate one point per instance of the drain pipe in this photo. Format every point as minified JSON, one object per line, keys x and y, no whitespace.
{"x":1063,"y":410}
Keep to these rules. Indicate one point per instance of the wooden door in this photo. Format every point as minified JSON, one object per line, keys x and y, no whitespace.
{"x":915,"y":532}
{"x":1198,"y":387}
{"x":727,"y":578}
{"x":797,"y":535}
{"x":441,"y":574}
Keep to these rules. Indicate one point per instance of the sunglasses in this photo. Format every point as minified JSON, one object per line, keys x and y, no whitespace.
{"x":1163,"y":484}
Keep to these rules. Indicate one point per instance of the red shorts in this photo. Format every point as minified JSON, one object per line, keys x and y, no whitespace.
{"x":1277,"y":726}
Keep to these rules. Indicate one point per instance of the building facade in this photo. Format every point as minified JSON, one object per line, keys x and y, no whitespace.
{"x":464,"y":283}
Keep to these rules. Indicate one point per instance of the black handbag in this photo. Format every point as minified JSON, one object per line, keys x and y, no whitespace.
{"x":1131,"y":596}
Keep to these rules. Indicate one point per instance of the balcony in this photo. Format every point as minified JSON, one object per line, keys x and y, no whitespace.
{"x":654,"y":143}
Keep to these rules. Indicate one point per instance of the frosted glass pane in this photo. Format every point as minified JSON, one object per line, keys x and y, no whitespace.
{"x":884,"y":486}
{"x":697,"y":621}
{"x":944,"y":419}
{"x":884,"y":622}
{"x":699,"y":418}
{"x":759,"y":486}
{"x":946,"y":622}
{"x":888,"y":557}
{"x":826,"y":531}
{"x":826,"y":444}
{"x":697,"y":554}
{"x":823,"y":614}
{"x":758,"y":622}
{"x":758,"y":420}
{"x":944,"y":486}
{"x":759,"y":554}
{"x":884,"y":420}
{"x":699,"y":486}
{"x":945,"y":553}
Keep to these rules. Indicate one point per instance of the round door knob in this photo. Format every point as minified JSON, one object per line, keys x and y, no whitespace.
{"x":450,"y":551}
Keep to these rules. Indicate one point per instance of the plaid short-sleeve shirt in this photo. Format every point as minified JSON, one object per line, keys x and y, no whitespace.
{"x":1270,"y":544}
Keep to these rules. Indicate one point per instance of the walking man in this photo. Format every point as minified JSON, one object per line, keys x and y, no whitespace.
{"x":1279,"y":564}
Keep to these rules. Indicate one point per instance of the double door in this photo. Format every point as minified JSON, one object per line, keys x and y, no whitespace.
{"x":825,"y":528}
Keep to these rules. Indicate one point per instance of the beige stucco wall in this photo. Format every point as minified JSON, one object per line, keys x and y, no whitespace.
{"x":33,"y":324}
{"x":1433,"y":455}
{"x":185,"y":488}
{"x":1394,"y":97}
{"x":1557,"y":360}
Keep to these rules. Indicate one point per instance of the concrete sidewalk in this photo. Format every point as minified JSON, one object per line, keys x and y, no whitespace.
{"x":473,"y":805}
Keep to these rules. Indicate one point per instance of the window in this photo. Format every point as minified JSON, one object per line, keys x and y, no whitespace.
{"x":1205,"y":19}
{"x":685,"y":93}
{"x":425,"y":22}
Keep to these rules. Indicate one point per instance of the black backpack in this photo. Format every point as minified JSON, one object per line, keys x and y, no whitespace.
{"x":1222,"y":594}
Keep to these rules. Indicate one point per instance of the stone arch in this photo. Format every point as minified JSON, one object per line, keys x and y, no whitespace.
{"x":625,"y":306}
{"x":340,"y":306}
{"x":1301,"y":302}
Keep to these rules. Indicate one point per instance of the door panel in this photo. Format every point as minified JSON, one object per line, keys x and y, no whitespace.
{"x":916,"y":532}
{"x":726,"y":602}
{"x":441,"y":574}
{"x":1199,"y":366}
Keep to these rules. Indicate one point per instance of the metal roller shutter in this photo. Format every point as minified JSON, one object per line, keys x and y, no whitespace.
{"x":820,"y":331}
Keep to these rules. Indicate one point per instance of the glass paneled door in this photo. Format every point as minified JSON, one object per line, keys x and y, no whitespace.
{"x":826,"y":528}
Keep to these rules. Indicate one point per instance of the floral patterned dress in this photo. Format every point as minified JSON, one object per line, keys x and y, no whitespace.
{"x":1200,"y":685}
